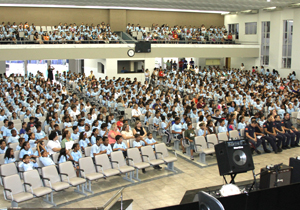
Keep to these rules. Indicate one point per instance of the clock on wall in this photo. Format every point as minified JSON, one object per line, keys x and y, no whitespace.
{"x":130,"y":53}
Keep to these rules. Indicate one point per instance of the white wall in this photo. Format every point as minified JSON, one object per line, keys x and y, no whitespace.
{"x":276,"y":37}
{"x":92,"y":65}
{"x":248,"y":62}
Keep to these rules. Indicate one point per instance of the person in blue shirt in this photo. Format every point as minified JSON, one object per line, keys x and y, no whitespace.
{"x":75,"y":134}
{"x":40,"y":135}
{"x":21,"y":142}
{"x":138,"y":142}
{"x":3,"y":147}
{"x":94,"y":135}
{"x":120,"y":145}
{"x":222,"y":128}
{"x":150,"y":141}
{"x":9,"y":156}
{"x":106,"y":146}
{"x":27,"y":163}
{"x":83,"y":141}
{"x":96,"y":148}
{"x":26,"y":150}
{"x":203,"y":130}
{"x":44,"y":156}
{"x":177,"y":131}
{"x":76,"y":154}
{"x":64,"y":156}
{"x":165,"y":128}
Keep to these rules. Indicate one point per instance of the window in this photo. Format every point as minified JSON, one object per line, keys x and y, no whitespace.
{"x":234,"y":30}
{"x":250,"y":28}
{"x":265,"y":43}
{"x":287,"y":44}
{"x":14,"y":67}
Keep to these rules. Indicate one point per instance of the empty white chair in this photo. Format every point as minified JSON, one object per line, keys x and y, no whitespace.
{"x":118,"y":162}
{"x":234,"y":134}
{"x":202,"y":149}
{"x":88,"y":171}
{"x":222,"y":137}
{"x":68,"y":175}
{"x":51,"y":179}
{"x":17,"y":122}
{"x":211,"y":140}
{"x":103,"y":166}
{"x":55,"y":157}
{"x":14,"y":191}
{"x":8,"y":169}
{"x":162,"y":153}
{"x":135,"y":161}
{"x":87,"y":151}
{"x":149,"y":157}
{"x":2,"y":159}
{"x":34,"y":184}
{"x":18,"y":126}
{"x":13,"y":145}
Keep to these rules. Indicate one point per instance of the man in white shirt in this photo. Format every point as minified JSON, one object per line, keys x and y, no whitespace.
{"x":74,"y":112}
{"x":53,"y":145}
{"x":136,"y":113}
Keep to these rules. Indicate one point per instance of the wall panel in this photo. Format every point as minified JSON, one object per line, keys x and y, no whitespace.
{"x":52,"y":16}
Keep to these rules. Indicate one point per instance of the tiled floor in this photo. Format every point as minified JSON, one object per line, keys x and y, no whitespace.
{"x":158,"y":188}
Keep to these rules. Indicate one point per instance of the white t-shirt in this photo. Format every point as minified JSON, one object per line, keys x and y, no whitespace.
{"x":136,"y":112}
{"x":53,"y":144}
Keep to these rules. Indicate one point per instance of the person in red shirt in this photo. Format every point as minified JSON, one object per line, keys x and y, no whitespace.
{"x":175,"y":37}
{"x":229,"y":37}
{"x":120,"y":122}
{"x":180,"y":64}
{"x":161,"y":73}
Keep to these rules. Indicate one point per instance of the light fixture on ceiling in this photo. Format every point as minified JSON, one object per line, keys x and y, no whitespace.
{"x":295,"y":5}
{"x":268,"y":0}
{"x":110,"y":7}
{"x":250,"y":11}
{"x":271,"y":9}
{"x":229,"y":13}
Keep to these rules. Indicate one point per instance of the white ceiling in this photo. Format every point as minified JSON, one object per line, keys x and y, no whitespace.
{"x":211,"y":5}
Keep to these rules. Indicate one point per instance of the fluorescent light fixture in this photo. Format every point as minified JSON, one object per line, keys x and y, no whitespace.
{"x":225,"y":13}
{"x":270,"y":8}
{"x":246,"y":11}
{"x":268,"y":0}
{"x":109,"y":7}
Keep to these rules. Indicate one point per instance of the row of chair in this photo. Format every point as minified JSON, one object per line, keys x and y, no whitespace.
{"x":54,"y":180}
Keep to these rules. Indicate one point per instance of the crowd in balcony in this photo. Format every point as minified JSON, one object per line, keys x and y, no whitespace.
{"x":58,"y":34}
{"x":192,"y":34}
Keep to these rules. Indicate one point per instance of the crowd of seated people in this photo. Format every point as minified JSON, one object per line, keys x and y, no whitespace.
{"x":192,"y":34}
{"x":59,"y":34}
{"x":181,"y":102}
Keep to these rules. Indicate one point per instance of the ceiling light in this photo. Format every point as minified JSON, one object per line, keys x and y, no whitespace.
{"x":109,"y":7}
{"x":295,"y":5}
{"x":253,"y":11}
{"x":272,"y":9}
{"x":268,"y":0}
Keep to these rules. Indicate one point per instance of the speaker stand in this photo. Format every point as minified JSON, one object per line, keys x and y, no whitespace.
{"x":254,"y":181}
{"x":232,"y":178}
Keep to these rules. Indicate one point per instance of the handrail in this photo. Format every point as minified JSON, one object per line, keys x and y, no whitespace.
{"x":114,"y":199}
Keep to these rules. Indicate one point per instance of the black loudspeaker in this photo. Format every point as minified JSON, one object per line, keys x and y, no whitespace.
{"x":295,"y":164}
{"x":234,"y":157}
{"x":268,"y":177}
{"x":143,"y":47}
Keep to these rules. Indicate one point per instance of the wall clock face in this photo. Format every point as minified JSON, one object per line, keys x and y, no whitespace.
{"x":130,"y":53}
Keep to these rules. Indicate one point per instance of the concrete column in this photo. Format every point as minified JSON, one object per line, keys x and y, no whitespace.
{"x":131,"y":65}
{"x":25,"y":68}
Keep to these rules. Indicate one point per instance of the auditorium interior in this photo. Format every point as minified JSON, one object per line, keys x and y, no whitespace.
{"x":150,"y":104}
